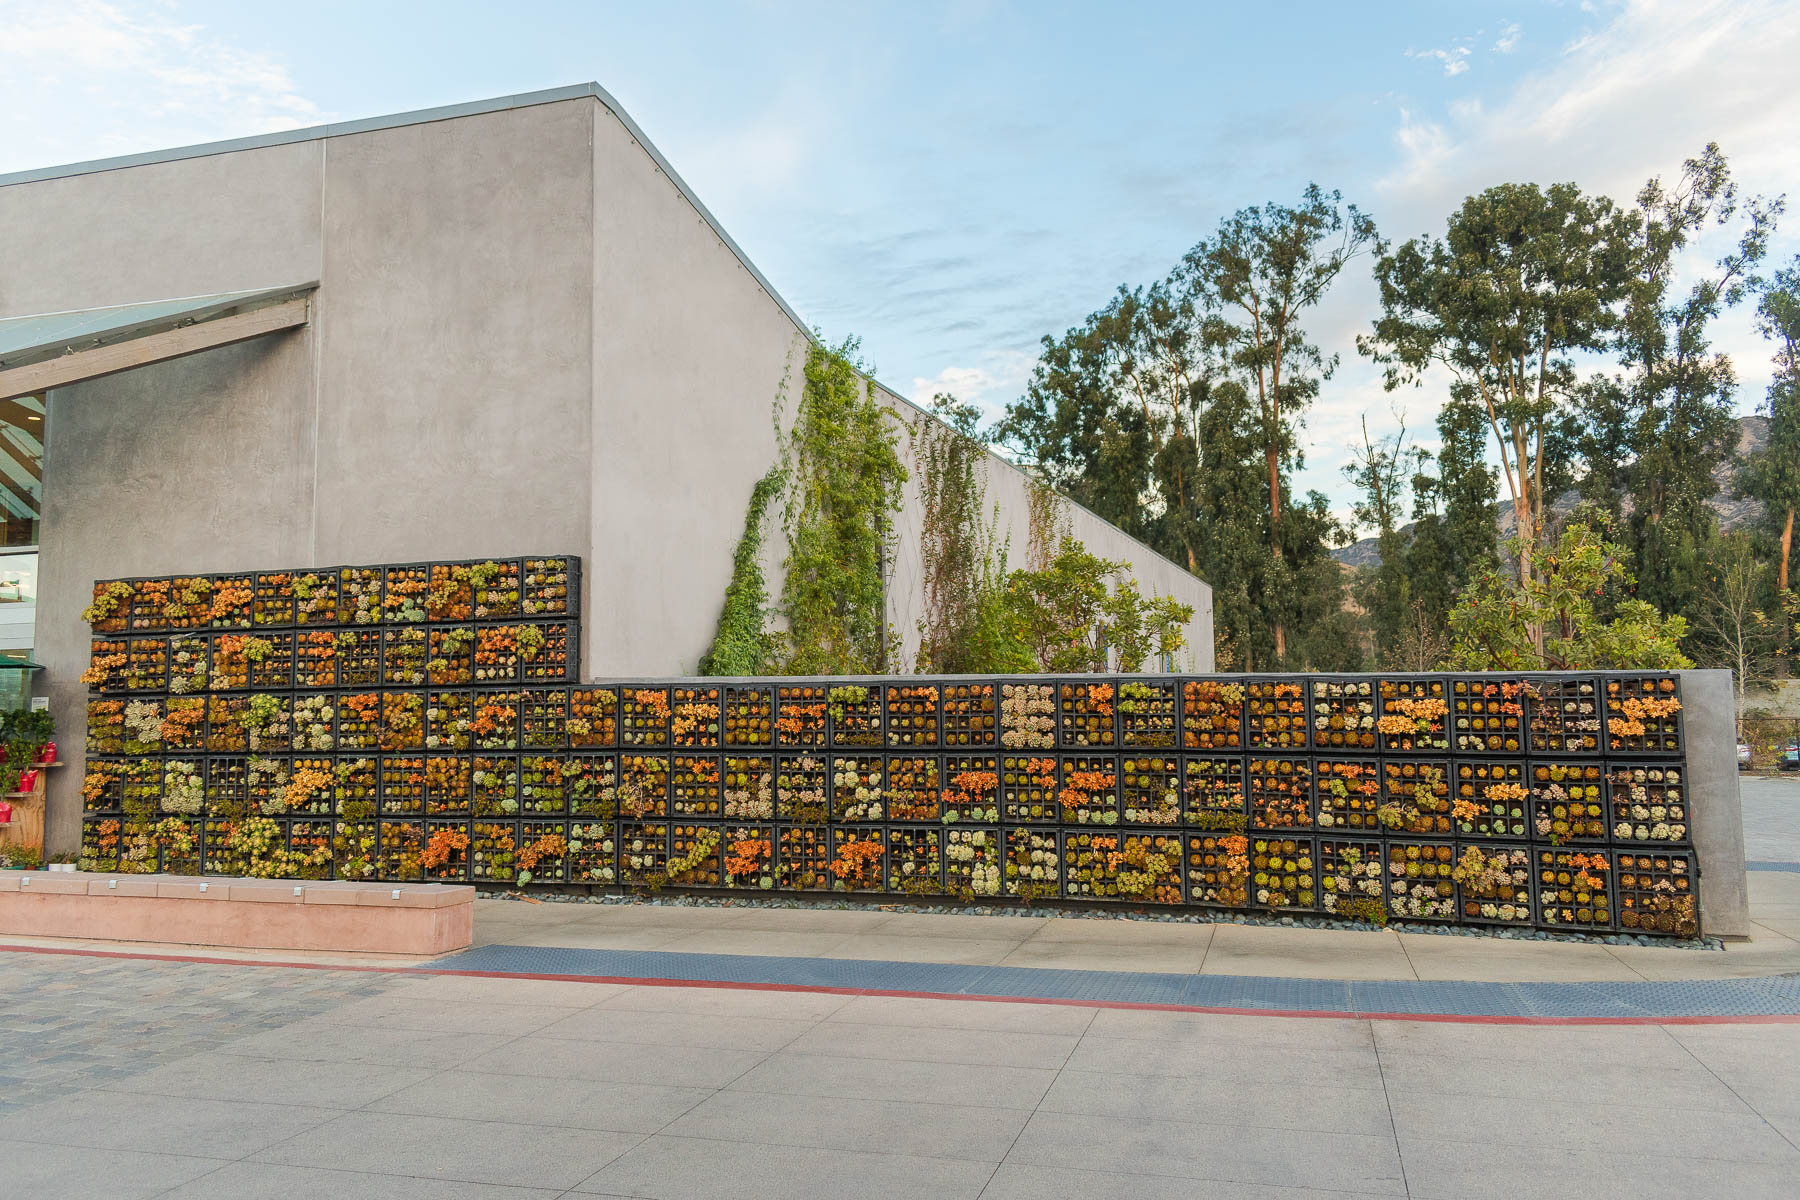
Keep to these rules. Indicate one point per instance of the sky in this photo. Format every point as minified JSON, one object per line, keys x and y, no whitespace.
{"x":952,"y":181}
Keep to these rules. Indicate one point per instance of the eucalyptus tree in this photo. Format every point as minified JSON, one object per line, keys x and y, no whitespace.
{"x":1523,"y":278}
{"x":1252,"y":283}
{"x":1656,"y":432}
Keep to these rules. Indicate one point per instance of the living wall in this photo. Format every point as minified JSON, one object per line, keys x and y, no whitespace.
{"x":425,"y":722}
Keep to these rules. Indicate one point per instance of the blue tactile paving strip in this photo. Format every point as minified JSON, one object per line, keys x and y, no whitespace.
{"x":1765,"y":997}
{"x":1764,"y":865}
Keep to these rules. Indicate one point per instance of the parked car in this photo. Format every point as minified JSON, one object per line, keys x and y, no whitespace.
{"x":1789,"y":757}
{"x":1743,"y":756}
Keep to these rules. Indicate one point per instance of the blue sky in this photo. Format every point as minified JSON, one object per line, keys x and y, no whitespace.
{"x":952,"y":181}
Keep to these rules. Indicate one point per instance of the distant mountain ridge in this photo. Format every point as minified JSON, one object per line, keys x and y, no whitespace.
{"x":1753,"y":434}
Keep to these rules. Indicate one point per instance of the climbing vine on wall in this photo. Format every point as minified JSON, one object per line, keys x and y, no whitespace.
{"x":842,"y":464}
{"x":962,"y":558}
{"x":741,"y":644}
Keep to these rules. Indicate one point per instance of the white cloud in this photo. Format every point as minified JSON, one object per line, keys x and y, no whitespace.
{"x":1455,"y":58}
{"x":1508,"y":40}
{"x":990,"y":387}
{"x":127,"y":77}
{"x":1646,"y":88}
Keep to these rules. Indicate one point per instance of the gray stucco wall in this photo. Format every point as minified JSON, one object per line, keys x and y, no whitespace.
{"x":525,"y":338}
{"x":1709,"y":714}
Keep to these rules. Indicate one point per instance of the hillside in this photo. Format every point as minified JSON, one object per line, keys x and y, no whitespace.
{"x":1753,"y":433}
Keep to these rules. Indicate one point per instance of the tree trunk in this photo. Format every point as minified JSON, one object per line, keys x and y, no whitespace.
{"x":1787,"y":544}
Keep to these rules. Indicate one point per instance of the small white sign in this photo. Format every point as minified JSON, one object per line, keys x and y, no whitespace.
{"x":40,"y":703}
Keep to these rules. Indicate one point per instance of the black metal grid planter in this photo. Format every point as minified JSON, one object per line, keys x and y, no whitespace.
{"x":858,"y":858}
{"x":1089,"y":792}
{"x":548,"y":651}
{"x":1574,"y":888}
{"x":1150,"y":787}
{"x":108,"y":664}
{"x":593,"y":718}
{"x":971,"y":788}
{"x":1033,"y":869}
{"x":694,"y":717}
{"x":493,"y":851}
{"x":1647,"y":803}
{"x":1212,"y":714}
{"x":1353,"y":882}
{"x":449,"y":785}
{"x":748,"y":783}
{"x":543,"y":852}
{"x":1491,"y":799}
{"x":399,"y":843}
{"x":1497,"y":886}
{"x":750,"y":716}
{"x":915,"y":861}
{"x":1658,"y":892}
{"x":801,"y":789}
{"x":147,"y":664}
{"x":971,"y":715}
{"x":886,"y":787}
{"x":544,"y":718}
{"x":1284,"y":873}
{"x":643,"y":785}
{"x":1343,"y":714}
{"x":695,"y":787}
{"x":1643,"y":715}
{"x":1419,"y":791}
{"x":1349,"y":795}
{"x":543,"y":785}
{"x":1028,"y":715}
{"x":644,"y":716}
{"x":1089,"y":714}
{"x":1564,"y":715}
{"x":1276,"y":714}
{"x":855,"y":715}
{"x":591,"y":783}
{"x":1420,"y":879}
{"x":1413,"y":715}
{"x":1148,"y":715}
{"x":550,"y":586}
{"x":273,"y":603}
{"x":1218,"y":869}
{"x":593,"y":852}
{"x":643,"y":851}
{"x":1487,"y":715}
{"x":803,"y":858}
{"x":801,"y":714}
{"x":400,"y":784}
{"x":914,"y":715}
{"x":1214,"y":796}
{"x":1568,"y":803}
{"x":696,"y":856}
{"x":1281,"y":793}
{"x":749,"y":858}
{"x":1028,"y":789}
{"x":450,"y":656}
{"x":404,"y":652}
{"x":363,"y":736}
{"x":359,"y":595}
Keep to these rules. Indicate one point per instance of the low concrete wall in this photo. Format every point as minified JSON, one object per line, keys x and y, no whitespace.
{"x":1708,"y":706}
{"x":271,"y":914}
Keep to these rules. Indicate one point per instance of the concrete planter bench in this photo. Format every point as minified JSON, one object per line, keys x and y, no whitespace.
{"x":285,"y":914}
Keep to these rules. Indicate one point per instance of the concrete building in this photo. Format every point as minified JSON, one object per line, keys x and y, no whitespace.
{"x":499,"y":328}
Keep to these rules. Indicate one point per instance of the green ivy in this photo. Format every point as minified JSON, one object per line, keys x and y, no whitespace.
{"x":740,"y":646}
{"x":845,"y":474}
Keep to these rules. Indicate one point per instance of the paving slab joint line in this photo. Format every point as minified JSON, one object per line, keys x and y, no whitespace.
{"x":1772,"y":999}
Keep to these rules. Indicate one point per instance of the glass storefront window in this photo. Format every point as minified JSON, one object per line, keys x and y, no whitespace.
{"x":21,"y":470}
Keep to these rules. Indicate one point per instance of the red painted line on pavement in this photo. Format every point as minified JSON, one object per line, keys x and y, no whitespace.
{"x":821,"y":989}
